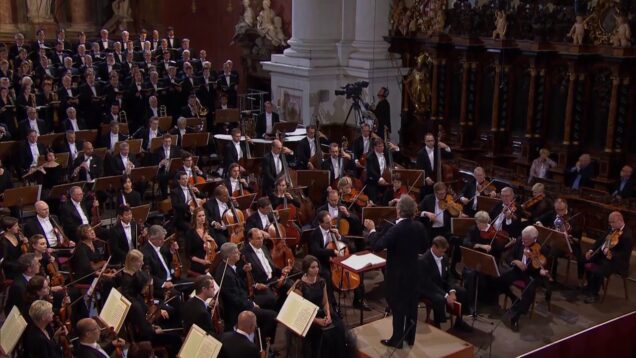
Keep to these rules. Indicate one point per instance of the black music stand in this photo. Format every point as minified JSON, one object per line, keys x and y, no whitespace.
{"x":338,"y":261}
{"x":8,"y":149}
{"x":245,"y":202}
{"x":230,"y":115}
{"x":140,"y":213}
{"x":58,"y":190}
{"x":51,"y":140}
{"x":157,"y":142}
{"x":284,"y":127}
{"x":481,"y":263}
{"x":411,"y":177}
{"x":142,"y":174}
{"x":209,"y":186}
{"x":21,"y":197}
{"x":133,"y":144}
{"x":554,"y":239}
{"x":195,"y":140}
{"x":165,"y":123}
{"x":89,"y":135}
{"x":316,"y":180}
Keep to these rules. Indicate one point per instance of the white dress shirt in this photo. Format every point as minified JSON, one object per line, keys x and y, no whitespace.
{"x":35,"y":153}
{"x":336,"y":167}
{"x":268,"y":123}
{"x":439,"y":215}
{"x":96,"y":347}
{"x":73,"y":149}
{"x":114,"y":138}
{"x":80,"y":211}
{"x":277,"y":163}
{"x":49,"y":232}
{"x":127,"y":231}
{"x":326,"y":236}
{"x":33,"y":124}
{"x":237,"y":146}
{"x":333,"y":211}
{"x":264,"y":219}
{"x":74,"y":124}
{"x":163,"y":262}
{"x":261,"y":257}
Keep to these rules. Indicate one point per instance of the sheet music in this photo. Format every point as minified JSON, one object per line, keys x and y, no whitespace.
{"x":358,"y":262}
{"x":12,"y":330}
{"x":297,"y":314}
{"x":199,"y":345}
{"x":115,"y":310}
{"x":209,"y":348}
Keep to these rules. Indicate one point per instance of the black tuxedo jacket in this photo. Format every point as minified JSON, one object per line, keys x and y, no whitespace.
{"x":179,"y":205}
{"x":33,"y":227}
{"x":160,"y":154}
{"x":230,"y":155}
{"x":621,"y":253}
{"x":254,"y":221}
{"x":26,"y":158}
{"x":431,"y":282}
{"x":258,"y":272}
{"x":261,"y":124}
{"x":268,"y":170}
{"x":233,"y":293}
{"x":144,"y":134}
{"x":514,"y":228}
{"x":345,"y":164}
{"x":105,"y":140}
{"x":83,"y":351}
{"x":101,"y":44}
{"x":195,"y":312}
{"x":96,"y":167}
{"x":68,"y":126}
{"x":71,"y":219}
{"x":428,"y":204}
{"x":16,"y":293}
{"x":119,"y":243}
{"x":373,"y":167}
{"x":423,"y":162}
{"x":152,"y":261}
{"x":303,"y":152}
{"x":23,"y":127}
{"x":237,"y":345}
{"x":317,"y":249}
{"x":358,"y":147}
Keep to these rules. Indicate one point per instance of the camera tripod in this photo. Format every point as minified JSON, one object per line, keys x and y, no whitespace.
{"x":356,"y":110}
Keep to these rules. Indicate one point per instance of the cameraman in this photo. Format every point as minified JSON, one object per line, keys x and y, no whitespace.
{"x":382,"y":111}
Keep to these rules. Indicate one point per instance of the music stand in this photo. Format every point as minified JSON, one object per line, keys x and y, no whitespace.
{"x":106,"y":184}
{"x":60,"y":158}
{"x":51,"y":140}
{"x":157,"y":142}
{"x":100,"y":152}
{"x":486,"y":203}
{"x":245,"y":202}
{"x":194,"y":122}
{"x":9,"y":148}
{"x":284,"y":127}
{"x":209,"y":186}
{"x":58,"y":190}
{"x":133,"y":144}
{"x":411,"y":177}
{"x":461,"y":226}
{"x":338,"y":261}
{"x":554,"y":239}
{"x":315,"y":180}
{"x":230,"y":115}
{"x":165,"y":123}
{"x":195,"y":140}
{"x":123,"y":128}
{"x":481,"y":263}
{"x":176,"y":164}
{"x":378,"y":214}
{"x":22,"y":196}
{"x":89,"y":135}
{"x":142,"y":174}
{"x":140,"y":213}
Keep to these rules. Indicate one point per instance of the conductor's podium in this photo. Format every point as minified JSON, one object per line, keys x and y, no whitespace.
{"x":429,"y":342}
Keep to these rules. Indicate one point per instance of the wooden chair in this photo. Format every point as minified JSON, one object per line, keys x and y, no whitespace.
{"x":522,"y":286}
{"x":606,"y":284}
{"x":429,"y":307}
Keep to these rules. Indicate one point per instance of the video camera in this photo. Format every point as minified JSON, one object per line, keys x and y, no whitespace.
{"x":352,"y":90}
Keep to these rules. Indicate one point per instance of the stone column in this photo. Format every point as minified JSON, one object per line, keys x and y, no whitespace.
{"x":7,"y":18}
{"x":81,"y":18}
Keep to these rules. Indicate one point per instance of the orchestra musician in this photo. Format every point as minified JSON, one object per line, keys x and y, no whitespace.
{"x":240,"y":342}
{"x":128,"y":196}
{"x":70,"y":145}
{"x":195,"y":175}
{"x":362,"y":146}
{"x":40,"y":340}
{"x":427,"y":159}
{"x":308,"y":147}
{"x":47,"y":225}
{"x":265,"y":122}
{"x":199,"y":242}
{"x":280,"y":195}
{"x":436,"y":219}
{"x":180,"y":130}
{"x":235,"y":149}
{"x":32,"y":122}
{"x":524,"y":268}
{"x":234,"y":292}
{"x":403,"y":241}
{"x":377,"y":163}
{"x":337,"y":163}
{"x":272,"y":165}
{"x":30,"y":151}
{"x":215,"y":208}
{"x":268,"y":292}
{"x":234,"y":182}
{"x":89,"y":255}
{"x":337,"y":210}
{"x":474,"y":189}
{"x":123,"y":235}
{"x":227,"y":82}
{"x":435,"y":284}
{"x":538,"y":205}
{"x":110,"y":139}
{"x":157,"y":258}
{"x":29,"y":266}
{"x":87,"y":166}
{"x":147,"y":134}
{"x":11,"y":243}
{"x":609,"y":255}
{"x":395,"y":191}
{"x":260,"y":219}
{"x":506,"y":215}
{"x":75,"y":212}
{"x":124,"y":162}
{"x":72,"y":122}
{"x":559,"y":219}
{"x":162,"y":157}
{"x":196,"y":309}
{"x":183,"y":198}
{"x":88,"y":333}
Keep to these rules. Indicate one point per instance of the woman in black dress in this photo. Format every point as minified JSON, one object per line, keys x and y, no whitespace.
{"x":280,"y":196}
{"x":199,"y":241}
{"x":87,"y":257}
{"x":326,"y":337}
{"x":11,"y":246}
{"x":128,"y":196}
{"x":40,"y":339}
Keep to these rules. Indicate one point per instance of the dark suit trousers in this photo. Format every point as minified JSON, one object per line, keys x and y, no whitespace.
{"x":404,"y":319}
{"x":602,"y":268}
{"x":521,"y":305}
{"x":439,"y":303}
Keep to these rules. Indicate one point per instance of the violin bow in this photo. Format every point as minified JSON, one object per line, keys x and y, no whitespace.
{"x":477,"y":192}
{"x":355,"y":198}
{"x":218,"y":294}
{"x":414,"y":182}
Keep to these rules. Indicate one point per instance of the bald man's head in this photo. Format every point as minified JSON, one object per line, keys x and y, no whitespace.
{"x":246,"y":322}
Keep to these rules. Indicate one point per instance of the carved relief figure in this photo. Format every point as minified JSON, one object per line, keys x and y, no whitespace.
{"x":38,"y":10}
{"x":501,"y":25}
{"x":396,"y":15}
{"x":248,"y":14}
{"x":623,"y":34}
{"x":418,"y":84}
{"x":281,"y":39}
{"x":577,"y":32}
{"x":404,"y":23}
{"x":265,"y":21}
{"x":121,"y":9}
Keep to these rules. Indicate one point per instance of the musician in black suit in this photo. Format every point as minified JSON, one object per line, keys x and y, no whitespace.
{"x":87,"y":166}
{"x":72,"y":122}
{"x":195,"y":310}
{"x":506,"y":215}
{"x":265,"y":121}
{"x":32,"y":122}
{"x":67,"y":95}
{"x":377,"y":163}
{"x":30,"y":150}
{"x":522,"y":269}
{"x":39,"y":339}
{"x":181,"y":197}
{"x":436,"y":220}
{"x":581,"y":173}
{"x":473,"y":189}
{"x":111,"y":138}
{"x":609,"y":255}
{"x":148,"y":133}
{"x":162,"y":158}
{"x":88,"y":346}
{"x":307,"y":148}
{"x":264,"y":272}
{"x":337,"y":163}
{"x":29,"y":265}
{"x":158,"y":259}
{"x":227,"y":82}
{"x":215,"y":207}
{"x":427,"y":160}
{"x":104,"y":42}
{"x":435,"y":283}
{"x":75,"y":212}
{"x":625,"y":187}
{"x":234,"y":293}
{"x":91,"y":100}
{"x":180,"y":130}
{"x":261,"y":218}
{"x":45,"y":224}
{"x":403,"y":241}
{"x":123,"y":235}
{"x":235,"y":150}
{"x":240,"y":343}
{"x":273,"y":165}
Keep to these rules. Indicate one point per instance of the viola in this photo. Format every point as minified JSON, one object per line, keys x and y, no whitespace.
{"x":342,"y":279}
{"x":176,"y":260}
{"x":210,"y":247}
{"x":501,"y":237}
{"x":537,"y":259}
{"x":55,"y":277}
{"x":63,"y":340}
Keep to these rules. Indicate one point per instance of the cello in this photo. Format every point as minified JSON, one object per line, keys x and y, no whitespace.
{"x":281,"y":253}
{"x":318,"y":157}
{"x":342,"y":279}
{"x":234,"y":220}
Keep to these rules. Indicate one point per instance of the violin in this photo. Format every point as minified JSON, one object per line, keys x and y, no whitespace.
{"x":611,"y":241}
{"x":55,"y":277}
{"x":449,"y":204}
{"x":176,"y":260}
{"x":63,"y":340}
{"x":532,"y":201}
{"x":486,"y":189}
{"x":493,"y":235}
{"x":357,"y":197}
{"x":537,"y":259}
{"x":342,"y":279}
{"x":210,"y":247}
{"x":293,"y":232}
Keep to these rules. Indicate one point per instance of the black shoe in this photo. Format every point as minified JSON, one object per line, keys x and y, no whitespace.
{"x":388,"y":343}
{"x":511,"y":320}
{"x":361,"y":305}
{"x":337,"y":310}
{"x":462,"y":326}
{"x":591,"y":299}
{"x":514,"y":324}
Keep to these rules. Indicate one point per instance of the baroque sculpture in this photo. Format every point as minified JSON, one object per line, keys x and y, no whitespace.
{"x":418,"y":84}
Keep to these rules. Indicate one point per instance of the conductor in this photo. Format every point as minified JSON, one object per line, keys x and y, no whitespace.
{"x":403,"y":241}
